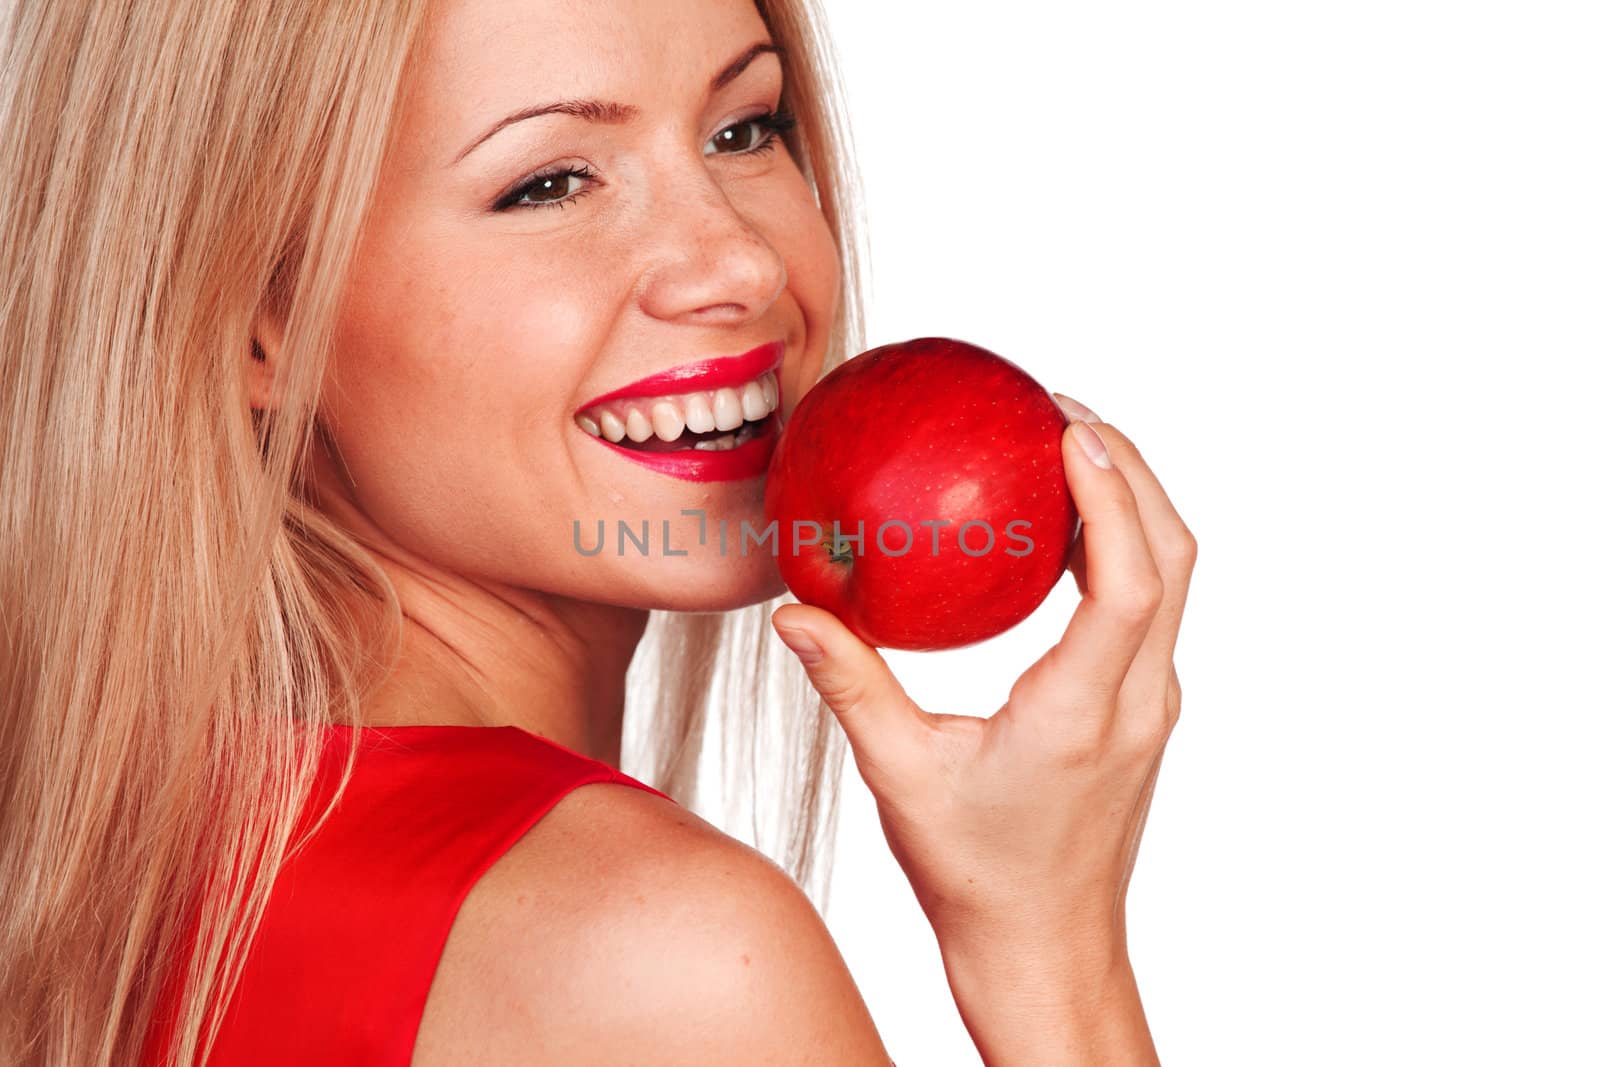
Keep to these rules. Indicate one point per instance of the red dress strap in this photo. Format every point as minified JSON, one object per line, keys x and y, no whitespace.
{"x":357,"y":920}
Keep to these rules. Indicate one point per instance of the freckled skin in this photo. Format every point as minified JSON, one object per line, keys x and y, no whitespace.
{"x":975,"y":438}
{"x":468,"y":339}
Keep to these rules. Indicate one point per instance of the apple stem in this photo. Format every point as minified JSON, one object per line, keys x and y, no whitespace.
{"x":839,"y":552}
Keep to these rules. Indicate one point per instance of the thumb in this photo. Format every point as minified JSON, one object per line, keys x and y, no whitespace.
{"x":883,"y":724}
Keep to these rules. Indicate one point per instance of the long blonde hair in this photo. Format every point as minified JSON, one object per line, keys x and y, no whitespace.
{"x":170,"y":620}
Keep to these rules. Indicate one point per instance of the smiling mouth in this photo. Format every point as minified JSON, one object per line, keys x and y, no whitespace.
{"x":701,"y":442}
{"x":716,"y":420}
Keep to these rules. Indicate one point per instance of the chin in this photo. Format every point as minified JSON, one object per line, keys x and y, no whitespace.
{"x":720,"y":585}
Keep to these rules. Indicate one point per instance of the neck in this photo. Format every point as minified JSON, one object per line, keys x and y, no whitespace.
{"x":478,"y":653}
{"x":476,"y":656}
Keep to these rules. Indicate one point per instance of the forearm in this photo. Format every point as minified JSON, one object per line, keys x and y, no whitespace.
{"x":1064,"y":1009}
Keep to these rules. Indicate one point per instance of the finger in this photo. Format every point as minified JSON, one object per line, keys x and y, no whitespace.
{"x":883,"y":724}
{"x":1086,"y":668}
{"x":1075,"y":563}
{"x":1073,"y":411}
{"x":1173,"y":548}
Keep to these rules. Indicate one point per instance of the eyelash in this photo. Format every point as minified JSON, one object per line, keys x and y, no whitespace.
{"x":774,"y":122}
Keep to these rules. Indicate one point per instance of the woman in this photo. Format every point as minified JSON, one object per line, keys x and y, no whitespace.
{"x":311,"y":313}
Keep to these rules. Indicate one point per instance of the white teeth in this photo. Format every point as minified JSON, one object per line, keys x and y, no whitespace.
{"x":667,"y":421}
{"x":719,"y":410}
{"x":752,"y":402}
{"x":639,"y":428}
{"x":726,"y":406}
{"x":612,"y":427}
{"x":697,"y":413}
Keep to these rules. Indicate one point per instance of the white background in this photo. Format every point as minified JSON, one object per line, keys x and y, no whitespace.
{"x":1334,"y":268}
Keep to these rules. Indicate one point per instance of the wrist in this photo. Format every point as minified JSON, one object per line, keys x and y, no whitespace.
{"x":1058,"y":974}
{"x":1057,"y":1003}
{"x":1025,"y":945}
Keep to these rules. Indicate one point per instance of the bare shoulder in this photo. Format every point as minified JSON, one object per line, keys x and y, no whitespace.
{"x":623,"y":928}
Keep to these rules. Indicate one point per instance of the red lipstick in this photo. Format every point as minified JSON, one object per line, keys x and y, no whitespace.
{"x":706,"y":375}
{"x":748,"y":460}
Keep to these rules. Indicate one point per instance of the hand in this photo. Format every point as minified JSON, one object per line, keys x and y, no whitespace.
{"x":1020,"y":830}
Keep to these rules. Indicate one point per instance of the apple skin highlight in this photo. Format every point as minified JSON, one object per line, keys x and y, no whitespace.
{"x":925,"y":436}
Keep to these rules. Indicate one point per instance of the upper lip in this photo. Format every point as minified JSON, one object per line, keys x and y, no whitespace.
{"x":705,"y":375}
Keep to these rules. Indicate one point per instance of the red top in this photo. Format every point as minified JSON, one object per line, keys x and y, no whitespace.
{"x":357,"y":920}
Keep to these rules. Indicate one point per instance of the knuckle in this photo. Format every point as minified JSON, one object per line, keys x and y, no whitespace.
{"x":1087,"y":745}
{"x":1145,"y":734}
{"x":1139,"y":600}
{"x":844,"y":695}
{"x":1177,"y":549}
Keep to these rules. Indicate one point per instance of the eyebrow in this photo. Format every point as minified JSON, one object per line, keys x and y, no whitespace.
{"x":610,"y":112}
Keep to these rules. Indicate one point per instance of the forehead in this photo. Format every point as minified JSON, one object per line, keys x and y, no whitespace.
{"x":478,"y":58}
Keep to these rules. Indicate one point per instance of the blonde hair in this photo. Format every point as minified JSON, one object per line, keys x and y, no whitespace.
{"x":171,"y":627}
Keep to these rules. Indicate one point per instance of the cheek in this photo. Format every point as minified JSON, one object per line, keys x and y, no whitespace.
{"x":448,"y":391}
{"x":412,"y":368}
{"x":800,"y":233}
{"x":460,"y":339}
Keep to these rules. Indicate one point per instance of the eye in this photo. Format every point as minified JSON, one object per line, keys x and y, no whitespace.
{"x":758,"y":133}
{"x":561,"y":186}
{"x":552,"y":188}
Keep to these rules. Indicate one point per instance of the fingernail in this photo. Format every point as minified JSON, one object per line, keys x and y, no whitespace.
{"x":1089,"y":440}
{"x":801,"y":643}
{"x":1074,"y":410}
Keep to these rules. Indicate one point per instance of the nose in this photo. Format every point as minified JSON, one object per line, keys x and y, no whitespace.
{"x":709,"y":265}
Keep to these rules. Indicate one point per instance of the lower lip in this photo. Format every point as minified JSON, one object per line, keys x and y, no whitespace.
{"x":749,"y":460}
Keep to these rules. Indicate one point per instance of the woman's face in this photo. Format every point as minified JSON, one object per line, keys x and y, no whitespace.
{"x":508,"y":280}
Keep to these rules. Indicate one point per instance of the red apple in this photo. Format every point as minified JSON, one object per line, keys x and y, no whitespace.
{"x":941,"y":464}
